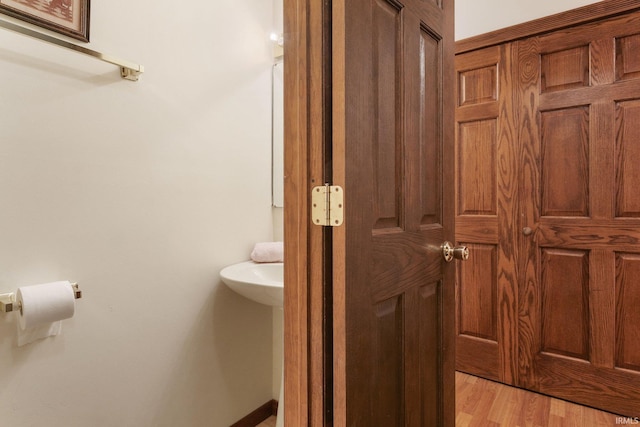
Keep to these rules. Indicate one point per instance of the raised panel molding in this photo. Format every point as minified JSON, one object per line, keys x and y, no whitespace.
{"x":627,"y":59}
{"x":567,"y":238}
{"x":477,"y":167}
{"x":565,"y":303}
{"x":437,"y":3}
{"x":627,"y":311}
{"x":478,"y":86}
{"x":627,"y":159}
{"x":478,"y":293}
{"x":565,"y":69}
{"x":387,"y":350}
{"x":387,"y":144}
{"x":430,"y":126}
{"x":565,"y":162}
{"x":429,"y":300}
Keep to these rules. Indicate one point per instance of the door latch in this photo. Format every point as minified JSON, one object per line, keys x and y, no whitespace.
{"x":449,"y":252}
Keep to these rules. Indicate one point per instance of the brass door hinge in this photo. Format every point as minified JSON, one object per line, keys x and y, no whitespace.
{"x":327,"y":205}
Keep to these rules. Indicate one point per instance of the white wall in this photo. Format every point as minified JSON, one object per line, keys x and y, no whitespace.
{"x":278,"y":234}
{"x":474,"y":17}
{"x":141,"y":192}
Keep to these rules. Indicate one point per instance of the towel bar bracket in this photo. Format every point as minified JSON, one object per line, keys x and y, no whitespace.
{"x":130,"y":73}
{"x":128,"y":70}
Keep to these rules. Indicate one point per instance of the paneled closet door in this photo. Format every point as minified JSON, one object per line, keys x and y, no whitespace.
{"x":579,"y":260}
{"x":487,"y":185}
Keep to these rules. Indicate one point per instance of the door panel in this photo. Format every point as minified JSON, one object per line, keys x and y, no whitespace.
{"x":565,"y":162}
{"x":627,"y":154}
{"x":548,"y":169}
{"x":627,"y":313}
{"x":477,"y":166}
{"x":564,"y":320}
{"x":486,"y":172}
{"x":585,"y":218}
{"x":393,"y":153}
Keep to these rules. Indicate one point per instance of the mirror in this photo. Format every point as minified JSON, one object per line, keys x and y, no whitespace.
{"x":277,"y":137}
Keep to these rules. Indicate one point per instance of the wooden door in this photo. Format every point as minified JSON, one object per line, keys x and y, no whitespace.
{"x":548,"y":172}
{"x":579,"y":92}
{"x":486,"y":207}
{"x":393,"y":154}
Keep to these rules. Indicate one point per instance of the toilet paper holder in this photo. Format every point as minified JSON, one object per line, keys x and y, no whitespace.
{"x":8,"y":301}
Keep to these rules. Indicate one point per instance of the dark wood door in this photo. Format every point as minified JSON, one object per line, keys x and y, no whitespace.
{"x":393,"y":153}
{"x":579,"y":294}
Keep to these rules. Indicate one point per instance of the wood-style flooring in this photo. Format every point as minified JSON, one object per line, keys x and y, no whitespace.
{"x":269,"y":422}
{"x":488,"y":404}
{"x":482,"y":403}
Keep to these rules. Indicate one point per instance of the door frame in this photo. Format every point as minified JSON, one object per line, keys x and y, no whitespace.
{"x":304,"y":271}
{"x":308,"y":371}
{"x":304,"y":274}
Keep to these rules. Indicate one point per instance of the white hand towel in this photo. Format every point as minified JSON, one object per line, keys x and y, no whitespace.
{"x":268,"y":252}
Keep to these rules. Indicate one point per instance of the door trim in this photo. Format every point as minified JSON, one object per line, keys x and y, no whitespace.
{"x":304,"y":276}
{"x":570,"y":18}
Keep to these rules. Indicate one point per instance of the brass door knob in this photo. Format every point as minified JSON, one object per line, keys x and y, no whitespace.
{"x":527,"y":231}
{"x":449,"y":252}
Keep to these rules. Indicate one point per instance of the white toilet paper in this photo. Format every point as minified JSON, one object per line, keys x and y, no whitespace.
{"x":43,"y":306}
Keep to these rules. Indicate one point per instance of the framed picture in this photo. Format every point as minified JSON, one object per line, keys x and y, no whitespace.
{"x":68,"y":17}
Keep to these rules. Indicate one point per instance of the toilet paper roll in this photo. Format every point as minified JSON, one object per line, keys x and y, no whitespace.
{"x":46,"y":303}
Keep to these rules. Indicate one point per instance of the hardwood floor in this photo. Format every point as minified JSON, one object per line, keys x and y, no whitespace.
{"x":269,"y":422}
{"x":488,"y":404}
{"x":482,"y":403}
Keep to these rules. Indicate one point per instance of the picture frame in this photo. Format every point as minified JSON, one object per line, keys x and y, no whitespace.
{"x":67,"y":17}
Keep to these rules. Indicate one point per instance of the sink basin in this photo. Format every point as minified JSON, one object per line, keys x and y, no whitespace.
{"x":260,"y":282}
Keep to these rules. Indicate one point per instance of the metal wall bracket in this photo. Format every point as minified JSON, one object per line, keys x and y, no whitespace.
{"x":327,"y":205}
{"x":130,"y":73}
{"x":128,"y":70}
{"x":7,"y":303}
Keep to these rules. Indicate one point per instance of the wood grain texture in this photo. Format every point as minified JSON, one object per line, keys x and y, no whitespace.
{"x":304,"y":275}
{"x":627,"y":336}
{"x":478,"y":293}
{"x":627,"y":63}
{"x":627,"y":155}
{"x":613,"y":389}
{"x":487,"y":186}
{"x":270,"y":422}
{"x":508,"y":234}
{"x":564,"y":139}
{"x":568,"y":173}
{"x":529,"y":204}
{"x":393,"y":294}
{"x":570,"y":331}
{"x":482,"y":403}
{"x":565,"y":69}
{"x":565,"y":326}
{"x":478,"y":85}
{"x":296,"y":351}
{"x":477,"y":152}
{"x":553,"y":23}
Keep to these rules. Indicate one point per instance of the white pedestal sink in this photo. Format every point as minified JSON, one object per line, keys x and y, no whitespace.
{"x":263,"y":283}
{"x":260,"y":282}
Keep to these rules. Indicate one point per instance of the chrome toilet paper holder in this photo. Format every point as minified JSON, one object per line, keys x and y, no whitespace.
{"x":8,"y":301}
